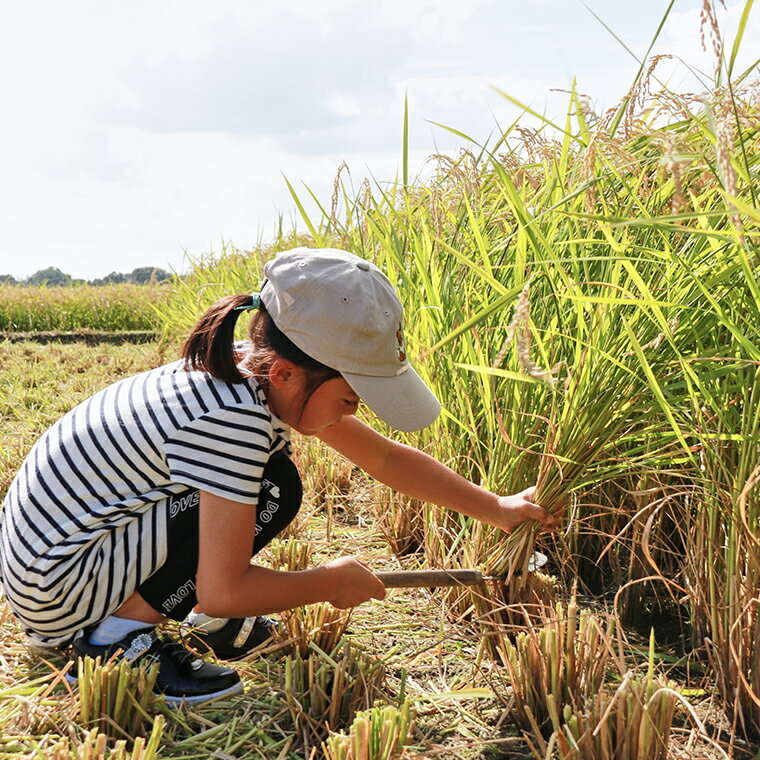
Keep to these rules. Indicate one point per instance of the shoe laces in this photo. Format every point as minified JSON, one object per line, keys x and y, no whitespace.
{"x":176,"y":652}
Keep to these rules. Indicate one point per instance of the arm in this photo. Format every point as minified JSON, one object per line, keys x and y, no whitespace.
{"x":420,"y":476}
{"x":227,"y":585}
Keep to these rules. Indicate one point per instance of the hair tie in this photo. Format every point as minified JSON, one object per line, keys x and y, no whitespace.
{"x":255,"y":304}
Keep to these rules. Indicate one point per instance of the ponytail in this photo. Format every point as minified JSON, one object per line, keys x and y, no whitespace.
{"x":209,"y":347}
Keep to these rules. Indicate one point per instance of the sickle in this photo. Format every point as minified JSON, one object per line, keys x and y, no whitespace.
{"x":440,"y":578}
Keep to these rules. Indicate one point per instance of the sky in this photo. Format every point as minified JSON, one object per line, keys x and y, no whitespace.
{"x":150,"y":132}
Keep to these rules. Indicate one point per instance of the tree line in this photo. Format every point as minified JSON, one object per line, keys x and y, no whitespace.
{"x":52,"y":276}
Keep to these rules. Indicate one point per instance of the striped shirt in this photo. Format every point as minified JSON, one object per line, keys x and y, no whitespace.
{"x":85,"y":519}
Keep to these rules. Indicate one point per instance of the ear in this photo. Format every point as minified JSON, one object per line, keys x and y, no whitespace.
{"x":284,"y":374}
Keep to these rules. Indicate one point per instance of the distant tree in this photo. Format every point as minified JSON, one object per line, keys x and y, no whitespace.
{"x":145,"y":275}
{"x":114,"y":277}
{"x":50,"y":276}
{"x":8,"y":279}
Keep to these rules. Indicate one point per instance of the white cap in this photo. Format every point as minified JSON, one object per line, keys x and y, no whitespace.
{"x":343,"y":311}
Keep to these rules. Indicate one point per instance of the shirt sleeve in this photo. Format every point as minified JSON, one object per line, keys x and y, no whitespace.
{"x":223,"y":452}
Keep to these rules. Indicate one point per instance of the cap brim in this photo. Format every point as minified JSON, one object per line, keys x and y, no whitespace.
{"x":403,"y":401}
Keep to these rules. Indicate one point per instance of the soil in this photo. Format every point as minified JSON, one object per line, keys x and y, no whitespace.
{"x":90,"y":337}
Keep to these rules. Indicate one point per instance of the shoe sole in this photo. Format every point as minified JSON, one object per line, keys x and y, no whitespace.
{"x":179,"y":701}
{"x":201,"y":698}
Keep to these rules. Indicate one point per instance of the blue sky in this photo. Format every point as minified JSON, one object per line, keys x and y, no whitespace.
{"x":135,"y":132}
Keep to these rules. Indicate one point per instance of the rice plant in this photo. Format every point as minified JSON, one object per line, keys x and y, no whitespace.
{"x":723,"y":568}
{"x":563,"y":662}
{"x":635,"y":721}
{"x":324,"y":691}
{"x":121,"y":307}
{"x":376,"y":734}
{"x":501,"y":608}
{"x":114,"y":697}
{"x":318,"y":624}
{"x":96,"y":746}
{"x":289,"y":554}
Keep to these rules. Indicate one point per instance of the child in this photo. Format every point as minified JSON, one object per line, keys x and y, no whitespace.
{"x":148,"y":499}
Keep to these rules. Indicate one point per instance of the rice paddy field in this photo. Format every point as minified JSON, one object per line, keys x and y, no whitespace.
{"x":116,"y":308}
{"x":584,"y":297}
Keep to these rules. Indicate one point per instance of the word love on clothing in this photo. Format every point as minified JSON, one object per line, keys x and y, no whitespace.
{"x":181,"y":503}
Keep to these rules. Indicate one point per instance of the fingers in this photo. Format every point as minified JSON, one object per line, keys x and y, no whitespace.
{"x":550,"y":520}
{"x":357,"y":583}
{"x":537,"y":512}
{"x":379,"y":592}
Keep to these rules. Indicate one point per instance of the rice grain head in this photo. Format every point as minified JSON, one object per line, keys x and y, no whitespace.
{"x":724,"y":133}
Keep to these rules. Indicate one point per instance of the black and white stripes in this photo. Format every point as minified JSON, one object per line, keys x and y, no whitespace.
{"x":84,"y":521}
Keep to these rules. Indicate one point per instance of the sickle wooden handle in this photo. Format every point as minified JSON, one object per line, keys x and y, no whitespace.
{"x":429,"y":578}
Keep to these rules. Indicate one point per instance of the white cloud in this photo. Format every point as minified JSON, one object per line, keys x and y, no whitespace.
{"x":344,"y":105}
{"x":427,"y":20}
{"x":135,"y":128}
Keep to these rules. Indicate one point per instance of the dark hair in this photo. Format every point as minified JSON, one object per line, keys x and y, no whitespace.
{"x":210,"y":347}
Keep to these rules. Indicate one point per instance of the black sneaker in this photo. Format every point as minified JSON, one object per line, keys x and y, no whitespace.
{"x":182,"y":677}
{"x":234,"y":639}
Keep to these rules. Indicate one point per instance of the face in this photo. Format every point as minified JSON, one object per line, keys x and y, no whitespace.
{"x":329,"y":403}
{"x":332,"y":401}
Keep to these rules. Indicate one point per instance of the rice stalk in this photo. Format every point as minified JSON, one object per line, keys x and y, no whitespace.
{"x":319,"y":624}
{"x":115,"y":697}
{"x":98,"y":746}
{"x":290,"y":554}
{"x":324,"y":691}
{"x":500,"y":608}
{"x":724,"y":561}
{"x":634,"y":722}
{"x":561,"y":663}
{"x":376,"y":734}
